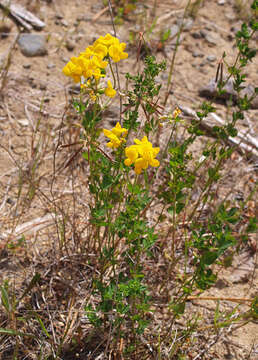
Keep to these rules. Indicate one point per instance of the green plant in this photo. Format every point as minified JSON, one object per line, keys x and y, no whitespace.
{"x":145,"y":244}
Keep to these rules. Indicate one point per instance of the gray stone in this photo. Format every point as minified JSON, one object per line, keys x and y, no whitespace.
{"x":197,"y":35}
{"x":221,"y":2}
{"x":23,"y":122}
{"x":187,"y":23}
{"x":210,"y":91}
{"x":174,"y":31}
{"x":203,"y":33}
{"x":26,"y":66}
{"x":198,"y":54}
{"x":42,"y":86}
{"x":211,"y":58}
{"x":32,"y":45}
{"x":70,"y":44}
{"x":59,"y":16}
{"x":221,"y":284}
{"x":64,"y":23}
{"x":51,"y":66}
{"x":5,"y":28}
{"x":212,"y":38}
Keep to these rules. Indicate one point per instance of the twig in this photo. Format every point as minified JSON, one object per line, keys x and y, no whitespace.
{"x":236,"y":300}
{"x":101,"y":12}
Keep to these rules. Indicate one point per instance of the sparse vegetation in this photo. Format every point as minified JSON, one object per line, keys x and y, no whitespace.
{"x":140,"y":227}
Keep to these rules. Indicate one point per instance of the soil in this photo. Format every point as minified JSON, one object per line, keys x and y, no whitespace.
{"x":35,"y":94}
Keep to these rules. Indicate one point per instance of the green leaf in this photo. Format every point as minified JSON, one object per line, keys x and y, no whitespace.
{"x":31,"y":285}
{"x":107,"y":181}
{"x":15,"y":333}
{"x":5,"y":299}
{"x":209,"y":257}
{"x":41,"y":324}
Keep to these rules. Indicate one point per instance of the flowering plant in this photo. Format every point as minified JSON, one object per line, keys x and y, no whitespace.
{"x":91,"y":64}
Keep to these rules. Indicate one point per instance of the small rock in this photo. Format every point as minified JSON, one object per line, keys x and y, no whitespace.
{"x":198,"y":54}
{"x":42,"y":86}
{"x":26,"y":66}
{"x":174,"y":31}
{"x":59,"y":16}
{"x":239,"y":196}
{"x":221,"y":284}
{"x":5,"y":27}
{"x":70,"y":44}
{"x":197,"y":35}
{"x":210,"y":91}
{"x":221,"y":2}
{"x":23,"y":122}
{"x":51,"y":66}
{"x":74,"y":89}
{"x":203,"y":33}
{"x":212,"y":38}
{"x":187,"y":23}
{"x":64,"y":23}
{"x":211,"y":58}
{"x":32,"y":45}
{"x":10,"y":201}
{"x":65,"y":59}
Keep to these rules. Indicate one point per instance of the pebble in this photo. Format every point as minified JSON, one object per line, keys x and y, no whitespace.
{"x":221,"y":284}
{"x":70,"y":44}
{"x":23,"y":122}
{"x":74,"y":89}
{"x":198,"y":54}
{"x":210,"y":91}
{"x":59,"y":16}
{"x":197,"y":35}
{"x":5,"y":28}
{"x":212,"y":38}
{"x":65,"y":59}
{"x":42,"y":86}
{"x":173,"y":31}
{"x":64,"y":23}
{"x":32,"y":45}
{"x":221,"y":2}
{"x":187,"y":23}
{"x":211,"y":58}
{"x":26,"y":66}
{"x":51,"y":66}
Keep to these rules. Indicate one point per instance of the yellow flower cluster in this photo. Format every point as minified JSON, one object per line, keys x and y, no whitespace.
{"x":91,"y":63}
{"x":176,"y":112}
{"x":109,"y":90}
{"x":141,"y":155}
{"x":116,"y":136}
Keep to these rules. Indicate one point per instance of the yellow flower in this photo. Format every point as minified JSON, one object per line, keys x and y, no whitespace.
{"x":73,"y":69}
{"x":176,"y":112}
{"x":109,"y":91}
{"x":131,"y":153}
{"x":118,"y":130}
{"x":90,"y":62}
{"x":100,"y":50}
{"x":116,"y":51}
{"x":115,"y":142}
{"x":107,"y":40}
{"x":142,"y":155}
{"x":114,"y":135}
